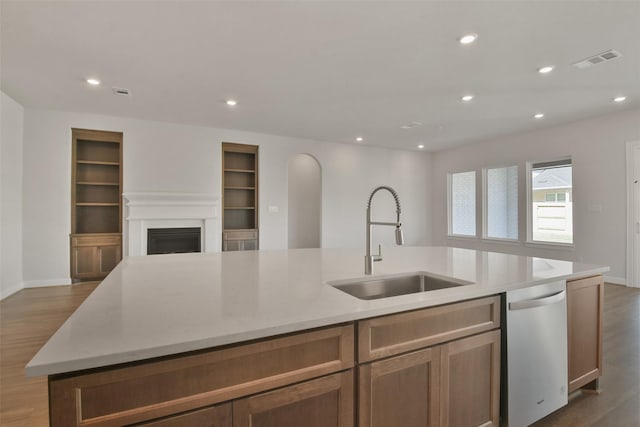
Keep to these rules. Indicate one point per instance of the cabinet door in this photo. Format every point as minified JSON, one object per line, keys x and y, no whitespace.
{"x":83,"y":263}
{"x":214,"y":416}
{"x":401,"y":391}
{"x":323,"y":402}
{"x":584,"y":330}
{"x":470,"y":381}
{"x":108,"y":258}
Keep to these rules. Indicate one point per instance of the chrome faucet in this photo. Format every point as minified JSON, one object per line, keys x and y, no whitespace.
{"x":368,"y":258}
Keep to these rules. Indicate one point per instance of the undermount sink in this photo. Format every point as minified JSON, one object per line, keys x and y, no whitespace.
{"x":375,"y":288}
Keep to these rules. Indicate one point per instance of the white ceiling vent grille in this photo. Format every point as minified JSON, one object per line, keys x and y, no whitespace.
{"x":597,"y":59}
{"x":120,"y":91}
{"x":411,"y":125}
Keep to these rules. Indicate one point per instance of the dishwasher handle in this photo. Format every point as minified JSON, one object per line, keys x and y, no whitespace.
{"x":537,"y":302}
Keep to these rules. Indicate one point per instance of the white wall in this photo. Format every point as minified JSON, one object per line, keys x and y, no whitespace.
{"x":597,"y":147}
{"x":170,"y":157}
{"x":11,"y":137}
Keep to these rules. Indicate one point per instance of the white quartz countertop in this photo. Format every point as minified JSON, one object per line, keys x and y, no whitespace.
{"x":159,"y":305}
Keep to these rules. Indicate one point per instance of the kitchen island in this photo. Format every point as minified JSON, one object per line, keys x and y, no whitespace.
{"x":245,"y":323}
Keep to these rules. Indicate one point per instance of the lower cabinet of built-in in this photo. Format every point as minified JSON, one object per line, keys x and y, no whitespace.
{"x":93,"y":256}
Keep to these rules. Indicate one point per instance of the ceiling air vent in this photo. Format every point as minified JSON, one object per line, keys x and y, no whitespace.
{"x":411,"y":125}
{"x":120,"y":91}
{"x":598,"y":59}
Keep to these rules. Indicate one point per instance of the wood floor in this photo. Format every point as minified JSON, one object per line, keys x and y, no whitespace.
{"x":28,"y":318}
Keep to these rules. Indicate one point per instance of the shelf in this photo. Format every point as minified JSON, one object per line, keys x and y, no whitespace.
{"x":114,"y":184}
{"x":93,"y":162}
{"x":97,"y":204}
{"x":240,"y":193}
{"x":240,"y":170}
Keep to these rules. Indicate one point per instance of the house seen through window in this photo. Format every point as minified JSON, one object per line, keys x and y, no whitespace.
{"x":551,"y":202}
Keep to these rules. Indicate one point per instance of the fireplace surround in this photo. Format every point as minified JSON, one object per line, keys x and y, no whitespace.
{"x":163,"y":210}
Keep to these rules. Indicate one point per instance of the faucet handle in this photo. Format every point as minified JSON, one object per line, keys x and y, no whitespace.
{"x":379,"y":256}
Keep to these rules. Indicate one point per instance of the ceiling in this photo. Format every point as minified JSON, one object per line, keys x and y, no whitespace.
{"x":326,"y":70}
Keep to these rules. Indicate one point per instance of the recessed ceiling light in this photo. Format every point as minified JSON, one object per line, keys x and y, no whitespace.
{"x":619,"y":99}
{"x":359,"y":139}
{"x":538,"y":115}
{"x":467,"y":98}
{"x":421,"y":146}
{"x":232,"y":102}
{"x":546,"y":69}
{"x":468,"y":38}
{"x":93,"y":82}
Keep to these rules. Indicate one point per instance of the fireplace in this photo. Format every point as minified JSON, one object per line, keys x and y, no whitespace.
{"x":173,"y":240}
{"x":158,"y":210}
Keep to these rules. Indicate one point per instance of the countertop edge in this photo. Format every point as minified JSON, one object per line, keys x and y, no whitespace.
{"x":404,"y":304}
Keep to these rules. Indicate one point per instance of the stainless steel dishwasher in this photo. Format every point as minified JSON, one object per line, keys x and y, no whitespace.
{"x":537,"y":377}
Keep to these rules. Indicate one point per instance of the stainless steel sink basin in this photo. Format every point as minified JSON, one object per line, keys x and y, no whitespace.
{"x":375,"y":288}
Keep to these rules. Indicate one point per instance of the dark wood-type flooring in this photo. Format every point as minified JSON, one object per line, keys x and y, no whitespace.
{"x":27,"y":319}
{"x":31,"y":316}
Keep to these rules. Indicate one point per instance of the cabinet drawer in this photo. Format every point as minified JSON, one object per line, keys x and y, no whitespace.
{"x":95,"y":240}
{"x":240,"y":235}
{"x":122,"y":395}
{"x":398,"y":333}
{"x":214,"y":416}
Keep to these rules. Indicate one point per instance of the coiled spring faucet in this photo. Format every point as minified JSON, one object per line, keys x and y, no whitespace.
{"x":368,"y":258}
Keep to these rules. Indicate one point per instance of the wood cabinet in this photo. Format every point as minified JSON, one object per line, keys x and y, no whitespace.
{"x":401,"y":391}
{"x":470,"y":381}
{"x":239,"y":240}
{"x":96,"y":203}
{"x":213,"y":416}
{"x":239,"y":197}
{"x":95,"y":255}
{"x":138,"y":392}
{"x":449,"y":383}
{"x":323,"y":402}
{"x":416,"y":368}
{"x":402,"y":332}
{"x":585,"y":299}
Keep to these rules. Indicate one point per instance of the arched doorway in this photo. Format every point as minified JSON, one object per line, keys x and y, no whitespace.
{"x":305,"y":202}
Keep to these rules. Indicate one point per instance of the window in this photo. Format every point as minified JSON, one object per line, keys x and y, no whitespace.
{"x":462,"y":204}
{"x":551,"y":202}
{"x":555,"y":197}
{"x":501,"y":203}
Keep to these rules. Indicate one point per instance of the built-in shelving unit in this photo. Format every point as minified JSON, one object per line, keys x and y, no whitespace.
{"x":239,"y":196}
{"x":96,"y":203}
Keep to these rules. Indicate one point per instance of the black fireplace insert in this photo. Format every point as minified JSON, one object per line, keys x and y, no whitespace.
{"x":173,"y":240}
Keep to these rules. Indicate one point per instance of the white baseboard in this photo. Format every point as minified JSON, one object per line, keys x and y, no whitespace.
{"x":11,"y":290}
{"x":49,"y":282}
{"x":616,"y":280}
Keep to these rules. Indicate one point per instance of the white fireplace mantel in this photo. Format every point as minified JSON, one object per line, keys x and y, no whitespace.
{"x":144,"y":210}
